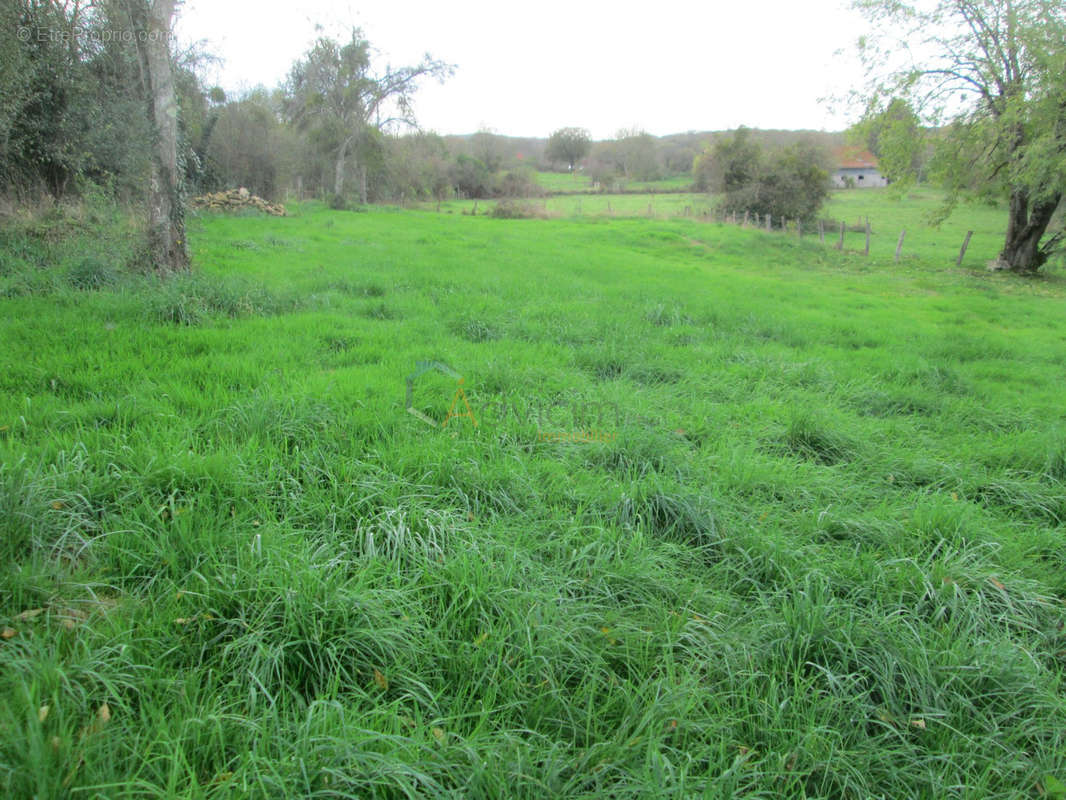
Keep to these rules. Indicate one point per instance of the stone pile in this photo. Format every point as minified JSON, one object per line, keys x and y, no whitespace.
{"x":234,"y":200}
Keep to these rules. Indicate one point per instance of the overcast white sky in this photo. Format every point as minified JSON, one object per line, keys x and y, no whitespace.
{"x":526,"y":69}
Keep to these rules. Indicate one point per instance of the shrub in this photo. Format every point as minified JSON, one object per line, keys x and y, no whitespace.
{"x":792,"y":182}
{"x":515,"y":209}
{"x":519,"y":183}
{"x":471,"y":177}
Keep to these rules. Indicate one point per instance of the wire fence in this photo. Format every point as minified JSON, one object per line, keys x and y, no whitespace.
{"x":856,"y":236}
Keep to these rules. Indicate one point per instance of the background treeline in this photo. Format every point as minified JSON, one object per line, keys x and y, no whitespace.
{"x":73,"y":116}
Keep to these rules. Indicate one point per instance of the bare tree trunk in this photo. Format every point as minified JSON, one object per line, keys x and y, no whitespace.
{"x":338,"y":171}
{"x":166,"y":215}
{"x":1026,"y":224}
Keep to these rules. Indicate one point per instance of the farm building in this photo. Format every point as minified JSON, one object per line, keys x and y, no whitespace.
{"x":856,"y":168}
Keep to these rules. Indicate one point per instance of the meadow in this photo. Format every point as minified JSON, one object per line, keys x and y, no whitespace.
{"x":815,"y":547}
{"x":889,"y":215}
{"x":579,"y":182}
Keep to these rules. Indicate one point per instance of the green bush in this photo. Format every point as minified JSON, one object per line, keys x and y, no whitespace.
{"x":790,"y":183}
{"x":515,"y":209}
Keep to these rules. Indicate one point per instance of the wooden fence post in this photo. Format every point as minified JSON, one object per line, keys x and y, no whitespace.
{"x":799,"y":228}
{"x":821,"y":231}
{"x":899,"y":244}
{"x":840,"y":244}
{"x":766,"y":219}
{"x":962,"y":252}
{"x":475,"y":208}
{"x":734,"y":216}
{"x":867,"y":237}
{"x":745,"y":217}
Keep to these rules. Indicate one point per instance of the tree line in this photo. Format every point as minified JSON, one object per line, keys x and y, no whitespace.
{"x":95,"y":95}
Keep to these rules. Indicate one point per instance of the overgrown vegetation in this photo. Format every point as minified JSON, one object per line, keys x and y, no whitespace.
{"x":790,"y":183}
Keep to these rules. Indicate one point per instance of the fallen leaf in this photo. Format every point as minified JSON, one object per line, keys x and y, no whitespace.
{"x":997,"y":584}
{"x":104,"y":713}
{"x":379,"y":679}
{"x":438,"y":734}
{"x":918,"y":723}
{"x":672,"y":725}
{"x":42,"y":713}
{"x":30,"y":614}
{"x":56,"y":742}
{"x":955,"y":496}
{"x":8,"y":633}
{"x":56,"y":504}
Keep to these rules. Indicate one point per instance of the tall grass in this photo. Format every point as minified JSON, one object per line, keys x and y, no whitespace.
{"x":820,"y":554}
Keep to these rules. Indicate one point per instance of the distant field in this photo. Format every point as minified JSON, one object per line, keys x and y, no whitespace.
{"x":577,"y":182}
{"x":741,"y":516}
{"x":888,"y":216}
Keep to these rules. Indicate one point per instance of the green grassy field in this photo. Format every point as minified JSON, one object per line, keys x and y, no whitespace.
{"x":579,"y":182}
{"x":805,"y":538}
{"x":933,"y":245}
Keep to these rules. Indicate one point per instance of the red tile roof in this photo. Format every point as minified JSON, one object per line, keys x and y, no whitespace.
{"x":855,"y":158}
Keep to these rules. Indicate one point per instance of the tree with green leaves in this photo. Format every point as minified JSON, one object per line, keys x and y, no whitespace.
{"x":634,"y":151}
{"x":791,"y":182}
{"x":988,"y":75}
{"x":335,"y":95}
{"x":896,"y":136}
{"x":487,"y":146}
{"x":568,"y":146}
